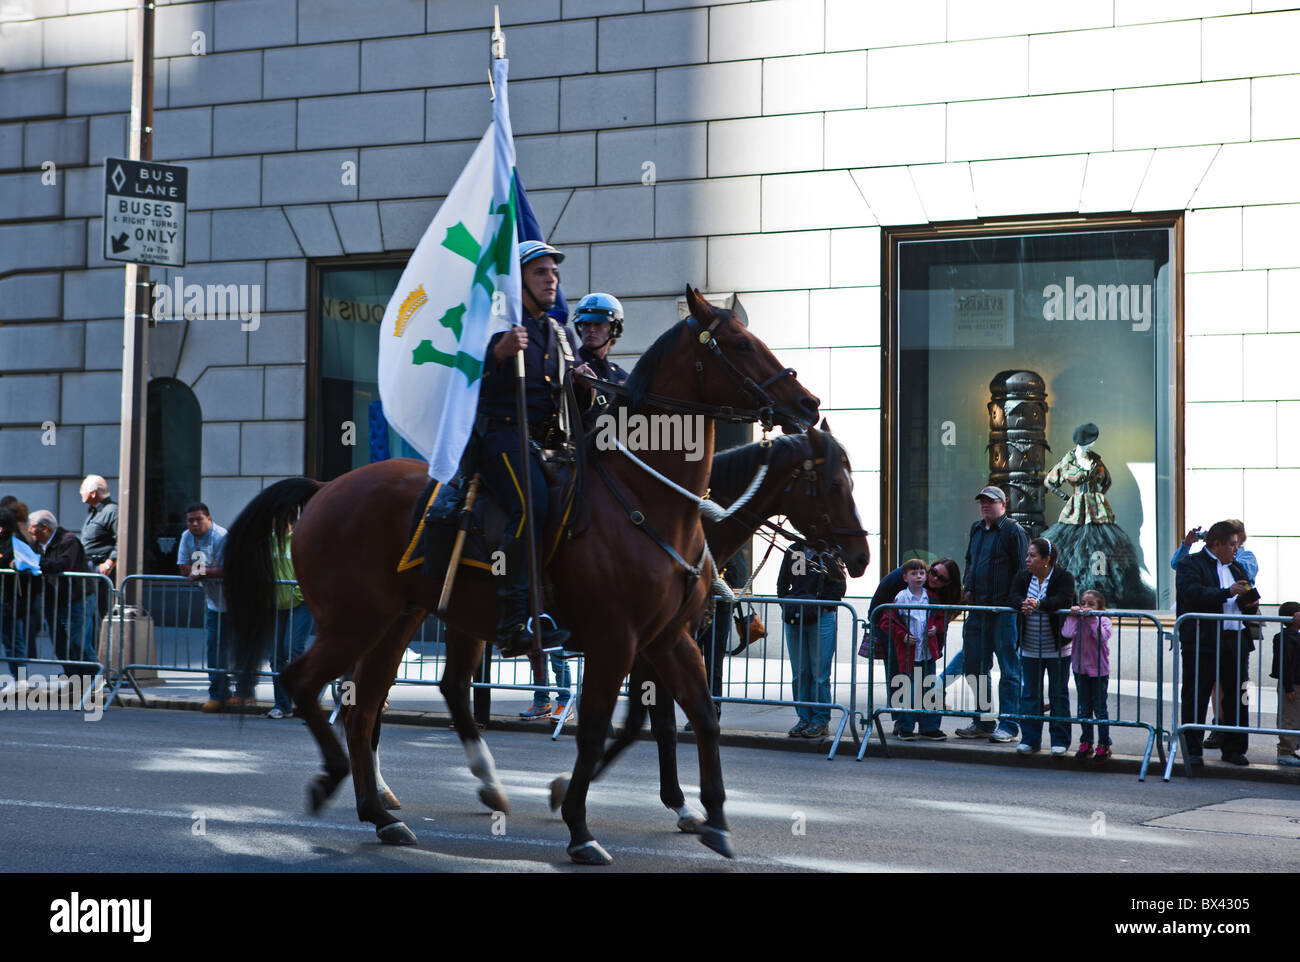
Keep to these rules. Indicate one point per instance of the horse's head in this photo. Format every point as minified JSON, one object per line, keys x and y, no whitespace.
{"x":819,"y":502}
{"x":740,"y":372}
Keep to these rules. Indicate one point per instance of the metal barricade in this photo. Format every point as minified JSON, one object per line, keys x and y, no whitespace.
{"x":1134,"y":648}
{"x":1238,"y":670}
{"x":67,"y":608}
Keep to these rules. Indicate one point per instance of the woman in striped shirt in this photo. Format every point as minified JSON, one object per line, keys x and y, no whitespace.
{"x":1040,"y":591}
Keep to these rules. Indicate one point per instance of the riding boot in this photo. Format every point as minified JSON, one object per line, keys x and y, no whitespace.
{"x":513,"y":637}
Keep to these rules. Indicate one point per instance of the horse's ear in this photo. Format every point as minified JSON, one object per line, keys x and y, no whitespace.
{"x":700,"y":309}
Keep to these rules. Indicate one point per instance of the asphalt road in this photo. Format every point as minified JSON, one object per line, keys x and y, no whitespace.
{"x":172,"y":791}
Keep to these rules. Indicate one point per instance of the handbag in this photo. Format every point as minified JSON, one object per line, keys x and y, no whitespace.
{"x":750,"y":629}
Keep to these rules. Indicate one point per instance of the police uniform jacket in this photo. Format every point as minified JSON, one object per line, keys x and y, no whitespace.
{"x":602,"y":368}
{"x":542,"y":372}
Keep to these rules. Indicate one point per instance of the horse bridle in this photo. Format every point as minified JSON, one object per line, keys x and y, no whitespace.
{"x":765,"y":407}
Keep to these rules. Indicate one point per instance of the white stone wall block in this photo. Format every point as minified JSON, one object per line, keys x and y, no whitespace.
{"x":778,"y":318}
{"x":309,"y":71}
{"x":752,"y":262}
{"x":11,"y":146}
{"x":1288,"y":429}
{"x":547,"y":206}
{"x":62,"y":141}
{"x":164,"y":346}
{"x":32,"y":95}
{"x":324,"y":20}
{"x":653,"y":40}
{"x":43,"y":246}
{"x":1254,"y":46}
{"x":91,"y":397}
{"x":1225,"y":302}
{"x":855,"y":257}
{"x":833,"y":81}
{"x":106,"y":88}
{"x":654,"y":315}
{"x":275,"y":447}
{"x":726,"y":205}
{"x":1173,"y":177}
{"x":858,"y":430}
{"x":219,"y":449}
{"x":607,"y":213}
{"x":813,"y":200}
{"x":286,"y":286}
{"x":766,"y":28}
{"x":1263,"y":172}
{"x":945,"y":190}
{"x":598,"y":8}
{"x":1212,"y":494}
{"x":24,"y":197}
{"x":1272,"y":107}
{"x":1213,"y":368}
{"x":1283,"y":300}
{"x":657,"y":268}
{"x":1029,"y":126}
{"x":435,"y":60}
{"x":386,"y":118}
{"x":280,"y":339}
{"x":1212,"y":240}
{"x":1155,"y":11}
{"x":555,"y":160}
{"x":676,"y":153}
{"x":21,"y":45}
{"x":1237,"y":434}
{"x":1274,"y":488}
{"x":1140,"y":56}
{"x":575,"y":275}
{"x":24,"y":456}
{"x":1001,"y":18}
{"x":538,"y":50}
{"x":34,"y":494}
{"x":856,"y":25}
{"x":29,"y":398}
{"x":174,"y":27}
{"x":462,"y":14}
{"x":1269,"y":236}
{"x":890,"y":194}
{"x":226,"y":497}
{"x":886,"y":136}
{"x":231,"y":181}
{"x":286,"y":392}
{"x":1271,"y":361}
{"x":709,"y":92}
{"x":30,"y":297}
{"x":403,"y":222}
{"x":937,"y":73}
{"x":181,"y":134}
{"x":463,"y":113}
{"x":423,"y":170}
{"x":315,"y":231}
{"x":210,"y":342}
{"x":1182,"y":114}
{"x":607,"y":100}
{"x":844,"y":317}
{"x":358,"y":226}
{"x":217,"y":78}
{"x":765,"y":145}
{"x":855,"y":378}
{"x":240,"y":24}
{"x":41,"y":347}
{"x":255,"y":128}
{"x":1037,"y":186}
{"x":230,"y":393}
{"x":813,"y":368}
{"x":107,"y":137}
{"x":1111,"y":180}
{"x":101,"y":450}
{"x":93,"y":38}
{"x":305,"y":178}
{"x":92,"y":293}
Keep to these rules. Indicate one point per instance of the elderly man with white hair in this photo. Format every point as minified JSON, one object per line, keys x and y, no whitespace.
{"x":99,"y":538}
{"x":64,"y":603}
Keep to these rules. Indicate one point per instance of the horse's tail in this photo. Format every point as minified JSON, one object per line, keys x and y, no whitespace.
{"x":249,"y":574}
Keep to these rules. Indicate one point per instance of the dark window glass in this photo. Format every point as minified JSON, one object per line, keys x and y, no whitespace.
{"x":173,"y":470}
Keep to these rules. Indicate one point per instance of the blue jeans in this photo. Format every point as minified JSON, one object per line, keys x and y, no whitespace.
{"x":984,"y":634}
{"x":1058,"y":694}
{"x":1092,"y":704}
{"x":563,"y":678}
{"x":292,"y":625}
{"x":913,"y":697}
{"x":812,"y":652}
{"x":13,"y":635}
{"x":216,"y":626}
{"x":66,"y":620}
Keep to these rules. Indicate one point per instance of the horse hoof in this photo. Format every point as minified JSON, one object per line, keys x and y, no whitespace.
{"x":495,"y":799}
{"x":589,"y":853}
{"x":559,"y":788}
{"x":389,"y":801}
{"x":318,"y":793}
{"x":396,"y":834}
{"x":689,"y":821}
{"x":718,"y":839}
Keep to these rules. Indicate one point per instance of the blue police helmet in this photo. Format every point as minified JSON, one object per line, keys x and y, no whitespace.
{"x":533,"y":249}
{"x":597,"y":307}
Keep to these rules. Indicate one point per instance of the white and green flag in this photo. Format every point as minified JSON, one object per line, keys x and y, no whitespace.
{"x":459,"y":288}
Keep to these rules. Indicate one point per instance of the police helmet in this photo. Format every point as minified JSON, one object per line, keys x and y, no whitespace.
{"x":533,"y":249}
{"x":597,"y":307}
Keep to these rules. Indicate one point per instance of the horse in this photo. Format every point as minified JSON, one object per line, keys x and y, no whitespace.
{"x":629,"y":589}
{"x":808,"y":480}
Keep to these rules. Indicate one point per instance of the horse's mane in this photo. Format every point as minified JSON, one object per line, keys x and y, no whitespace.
{"x":638,"y":382}
{"x":733,"y":470}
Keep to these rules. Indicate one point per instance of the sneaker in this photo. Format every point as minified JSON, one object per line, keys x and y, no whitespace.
{"x":1059,"y":750}
{"x":537,"y":711}
{"x":905,"y":735}
{"x":1291,"y":759}
{"x":211,"y":705}
{"x":236,"y":702}
{"x":1236,"y":758}
{"x":934,"y":736}
{"x":973,"y":730}
{"x":798,"y":730}
{"x":1024,"y":748}
{"x":1211,"y":740}
{"x":1003,"y":737}
{"x":816,"y":730}
{"x":1085,"y":749}
{"x":560,"y":709}
{"x":1103,"y":755}
{"x":277,"y":714}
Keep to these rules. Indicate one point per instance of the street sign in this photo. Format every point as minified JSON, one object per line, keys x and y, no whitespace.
{"x":144,"y":212}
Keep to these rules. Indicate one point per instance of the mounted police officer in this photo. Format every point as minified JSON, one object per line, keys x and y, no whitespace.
{"x":548,"y":349}
{"x":598,"y":320}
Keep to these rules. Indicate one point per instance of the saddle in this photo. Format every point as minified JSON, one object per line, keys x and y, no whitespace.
{"x":438,"y":512}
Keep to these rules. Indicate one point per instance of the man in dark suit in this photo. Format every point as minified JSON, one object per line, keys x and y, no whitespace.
{"x":1215,"y":652}
{"x":65,"y":598}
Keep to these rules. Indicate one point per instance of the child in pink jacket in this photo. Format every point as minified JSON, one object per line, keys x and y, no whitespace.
{"x":1091,"y":665}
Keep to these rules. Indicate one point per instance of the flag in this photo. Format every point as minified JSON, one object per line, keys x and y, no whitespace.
{"x":459,"y":288}
{"x":25,"y":559}
{"x":529,"y":229}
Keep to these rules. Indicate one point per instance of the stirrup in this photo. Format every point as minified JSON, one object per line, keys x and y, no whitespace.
{"x":556,"y":629}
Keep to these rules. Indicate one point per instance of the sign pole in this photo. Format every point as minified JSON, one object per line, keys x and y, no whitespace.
{"x":135,"y":343}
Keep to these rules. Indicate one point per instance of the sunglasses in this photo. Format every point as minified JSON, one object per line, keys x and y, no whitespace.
{"x":939,"y":576}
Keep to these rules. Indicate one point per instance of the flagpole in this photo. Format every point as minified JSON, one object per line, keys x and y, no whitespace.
{"x":521,"y":412}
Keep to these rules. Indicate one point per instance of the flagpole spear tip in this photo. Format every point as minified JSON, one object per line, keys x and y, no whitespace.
{"x":498,"y":38}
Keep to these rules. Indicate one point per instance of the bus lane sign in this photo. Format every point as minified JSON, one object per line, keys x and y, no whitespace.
{"x":144,"y":212}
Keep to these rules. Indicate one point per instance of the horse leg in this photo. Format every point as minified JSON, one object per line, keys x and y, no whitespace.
{"x":681,"y":667}
{"x":599,"y":692}
{"x":385,"y":793}
{"x":663,"y":724}
{"x":373,"y":677}
{"x":303,"y":678}
{"x":463,"y":656}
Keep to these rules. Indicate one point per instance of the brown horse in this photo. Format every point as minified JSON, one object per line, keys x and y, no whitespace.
{"x":635,"y":577}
